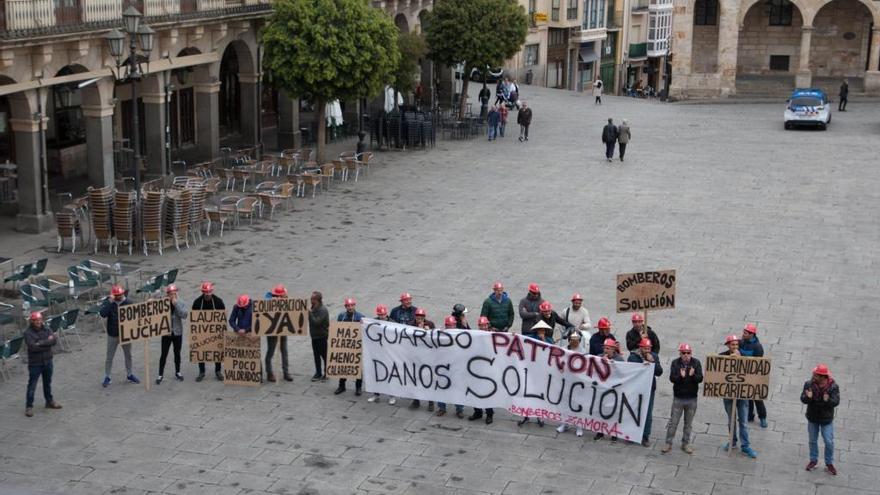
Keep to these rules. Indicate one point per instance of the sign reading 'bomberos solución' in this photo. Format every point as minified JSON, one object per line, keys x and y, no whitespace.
{"x":144,"y":320}
{"x":644,"y":291}
{"x":344,"y":357}
{"x":241,"y":360}
{"x":207,"y":330}
{"x":281,"y":316}
{"x":736,"y":377}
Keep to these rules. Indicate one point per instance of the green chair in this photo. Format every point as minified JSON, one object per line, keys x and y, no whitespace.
{"x":27,"y":293}
{"x":39,"y":267}
{"x":69,"y":323}
{"x":56,"y":324}
{"x":170,"y":276}
{"x":21,"y":273}
{"x":152,"y":285}
{"x":95,"y":269}
{"x":11,"y":350}
{"x":79,"y":277}
{"x":7,"y":312}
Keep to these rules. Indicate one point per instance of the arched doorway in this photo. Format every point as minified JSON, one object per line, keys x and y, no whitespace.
{"x":768,"y":54}
{"x":402,"y":23}
{"x":704,"y":58}
{"x":840,"y":43}
{"x":181,"y":104}
{"x":230,"y":93}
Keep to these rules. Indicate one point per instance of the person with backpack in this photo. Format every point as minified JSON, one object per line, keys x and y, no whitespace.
{"x":609,"y":137}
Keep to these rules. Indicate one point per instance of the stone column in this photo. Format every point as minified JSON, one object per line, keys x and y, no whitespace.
{"x":32,"y":216}
{"x":99,"y":144}
{"x":728,"y":43}
{"x":208,"y":119}
{"x":250,"y":107}
{"x":872,"y":76}
{"x":804,"y":77}
{"x":154,"y":132}
{"x":682,"y":46}
{"x":288,"y":122}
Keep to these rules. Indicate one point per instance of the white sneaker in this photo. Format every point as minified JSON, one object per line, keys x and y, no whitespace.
{"x":580,"y":432}
{"x":392,"y":400}
{"x":373,"y":398}
{"x":561,"y":429}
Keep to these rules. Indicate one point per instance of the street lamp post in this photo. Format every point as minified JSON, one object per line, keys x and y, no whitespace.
{"x":143,"y":35}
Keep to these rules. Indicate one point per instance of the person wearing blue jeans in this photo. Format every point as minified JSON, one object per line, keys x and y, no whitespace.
{"x":493,"y":121}
{"x":451,"y":323}
{"x":821,"y":395}
{"x":646,"y":356}
{"x":742,"y":407}
{"x":39,"y":340}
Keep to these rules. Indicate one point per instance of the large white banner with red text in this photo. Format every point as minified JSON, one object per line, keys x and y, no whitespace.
{"x":493,"y":369}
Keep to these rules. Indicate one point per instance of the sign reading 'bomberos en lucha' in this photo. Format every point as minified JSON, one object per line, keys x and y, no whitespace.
{"x":144,"y":320}
{"x":736,"y":377}
{"x":643,"y":291}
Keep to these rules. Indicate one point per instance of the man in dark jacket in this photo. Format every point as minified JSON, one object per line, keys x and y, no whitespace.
{"x":210,"y":302}
{"x":821,"y":395}
{"x":644,"y":355}
{"x":686,"y":374}
{"x":493,"y":120}
{"x":275,"y":342}
{"x":242,"y":315}
{"x":529,"y":311}
{"x":498,"y":308}
{"x":597,"y":340}
{"x":350,"y":314}
{"x":110,"y":311}
{"x":39,"y":340}
{"x":406,"y":312}
{"x":742,"y":407}
{"x":524,"y":119}
{"x":552,"y":318}
{"x":319,"y":330}
{"x":609,"y":137}
{"x":844,"y":94}
{"x":751,"y":347}
{"x":641,"y":331}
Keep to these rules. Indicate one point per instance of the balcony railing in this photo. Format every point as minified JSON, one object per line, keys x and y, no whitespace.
{"x":638,"y":50}
{"x":23,"y":18}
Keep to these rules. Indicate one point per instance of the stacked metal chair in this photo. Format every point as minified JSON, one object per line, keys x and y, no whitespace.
{"x":197,"y":211}
{"x":123,"y":218}
{"x":177,"y":215}
{"x":101,"y":209}
{"x":152,"y":220}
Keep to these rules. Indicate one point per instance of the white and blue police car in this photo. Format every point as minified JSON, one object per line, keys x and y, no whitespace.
{"x":807,"y":107}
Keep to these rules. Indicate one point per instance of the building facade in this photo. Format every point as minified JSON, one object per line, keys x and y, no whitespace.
{"x":767,"y":47}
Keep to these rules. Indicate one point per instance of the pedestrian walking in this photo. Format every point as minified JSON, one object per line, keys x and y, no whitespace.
{"x":406,"y":312}
{"x":641,"y":331}
{"x":483,"y":324}
{"x":212,"y":302}
{"x":484,"y":97}
{"x":382,"y":314}
{"x":609,"y":137}
{"x":524,"y":119}
{"x":598,"y":85}
{"x":529,"y":309}
{"x":319,"y":331}
{"x":514,"y":94}
{"x":110,"y":311}
{"x":450,"y":323}
{"x":39,"y":340}
{"x":350,"y":314}
{"x":821,"y":395}
{"x":503,"y":112}
{"x":844,"y":94}
{"x":179,"y":313}
{"x":421,"y":321}
{"x":494,"y":120}
{"x":500,"y":90}
{"x":597,"y":341}
{"x":686,"y":374}
{"x":623,"y":137}
{"x":750,"y":346}
{"x":278,"y":292}
{"x":498,"y":309}
{"x":742,"y":408}
{"x":647,"y":356}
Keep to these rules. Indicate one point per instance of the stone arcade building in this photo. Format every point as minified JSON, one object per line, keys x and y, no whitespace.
{"x":767,"y":47}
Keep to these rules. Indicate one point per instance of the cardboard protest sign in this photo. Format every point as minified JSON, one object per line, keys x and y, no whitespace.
{"x":207,"y":333}
{"x":241,"y":360}
{"x":281,"y":316}
{"x":736,"y":377}
{"x":644,"y":291}
{"x":144,"y":320}
{"x":496,"y":369}
{"x":344,"y":355}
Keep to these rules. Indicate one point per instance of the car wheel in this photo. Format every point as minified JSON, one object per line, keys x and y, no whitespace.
{"x":787,"y":126}
{"x":829,"y":119}
{"x":823,"y":126}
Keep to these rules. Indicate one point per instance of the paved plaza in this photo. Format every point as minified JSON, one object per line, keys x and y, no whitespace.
{"x":763,"y":225}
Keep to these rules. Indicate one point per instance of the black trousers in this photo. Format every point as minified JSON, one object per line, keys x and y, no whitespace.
{"x":622,"y":149}
{"x":357,"y":383}
{"x":167,"y":340}
{"x":842,"y":105}
{"x":759,"y":405}
{"x":609,"y":150}
{"x":489,"y":411}
{"x":202,"y":367}
{"x":319,"y":352}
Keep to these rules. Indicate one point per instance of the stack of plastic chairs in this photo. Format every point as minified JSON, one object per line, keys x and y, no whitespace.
{"x":152,"y":220}
{"x":177,"y":215}
{"x":101,"y":208}
{"x":123,"y":218}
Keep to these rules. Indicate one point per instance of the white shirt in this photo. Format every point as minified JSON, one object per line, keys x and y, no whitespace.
{"x":580,"y":318}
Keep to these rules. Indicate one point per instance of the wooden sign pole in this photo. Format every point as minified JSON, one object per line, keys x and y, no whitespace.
{"x":646,"y":322}
{"x":731,"y":432}
{"x":147,"y":364}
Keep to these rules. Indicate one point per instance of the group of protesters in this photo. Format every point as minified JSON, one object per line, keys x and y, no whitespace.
{"x":539,"y":321}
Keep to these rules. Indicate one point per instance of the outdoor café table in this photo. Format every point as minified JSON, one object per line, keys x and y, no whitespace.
{"x":125,"y":271}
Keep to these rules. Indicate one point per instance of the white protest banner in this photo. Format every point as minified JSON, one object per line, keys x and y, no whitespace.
{"x":495,"y":369}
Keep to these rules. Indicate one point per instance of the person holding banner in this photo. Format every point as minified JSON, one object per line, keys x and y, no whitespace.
{"x":598,"y":339}
{"x":382,"y":314}
{"x":178,"y":314}
{"x":458,"y":312}
{"x":611,"y":352}
{"x":686,"y":374}
{"x":498,"y":308}
{"x":529,"y":309}
{"x":350,"y":314}
{"x":641,"y":331}
{"x":742,"y":407}
{"x":242,"y":315}
{"x":543,"y":332}
{"x":647,"y":356}
{"x":40,"y":340}
{"x":821,"y":395}
{"x":110,"y":311}
{"x":450,"y":323}
{"x":576,"y":342}
{"x":552,"y":318}
{"x":211,"y":302}
{"x":319,"y":330}
{"x":751,"y":347}
{"x":422,"y":322}
{"x":279,"y":291}
{"x":406,"y":312}
{"x":483,"y":324}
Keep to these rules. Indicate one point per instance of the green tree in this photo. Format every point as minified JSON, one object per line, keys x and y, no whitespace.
{"x":475,"y":33}
{"x":412,"y":48}
{"x":324,"y":50}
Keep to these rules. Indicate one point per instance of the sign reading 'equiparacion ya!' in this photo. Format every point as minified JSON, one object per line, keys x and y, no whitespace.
{"x":281,"y":317}
{"x":644,"y":291}
{"x":207,"y":329}
{"x":144,"y":320}
{"x":344,"y":357}
{"x":736,"y":377}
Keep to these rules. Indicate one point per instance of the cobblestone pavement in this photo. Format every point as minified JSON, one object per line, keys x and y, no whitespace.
{"x":763,"y":225}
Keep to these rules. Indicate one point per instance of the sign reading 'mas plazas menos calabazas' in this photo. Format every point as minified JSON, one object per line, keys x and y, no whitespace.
{"x":495,"y":369}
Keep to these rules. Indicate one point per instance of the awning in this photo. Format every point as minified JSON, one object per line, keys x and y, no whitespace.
{"x":588,"y":53}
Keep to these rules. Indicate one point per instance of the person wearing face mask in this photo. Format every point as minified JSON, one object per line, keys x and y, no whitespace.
{"x":110,"y":312}
{"x":686,"y":374}
{"x":742,"y":407}
{"x":648,"y":357}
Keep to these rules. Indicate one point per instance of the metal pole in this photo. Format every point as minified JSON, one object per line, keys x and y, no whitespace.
{"x":168,"y":167}
{"x":134,"y":76}
{"x":259,"y":113}
{"x":43,"y":167}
